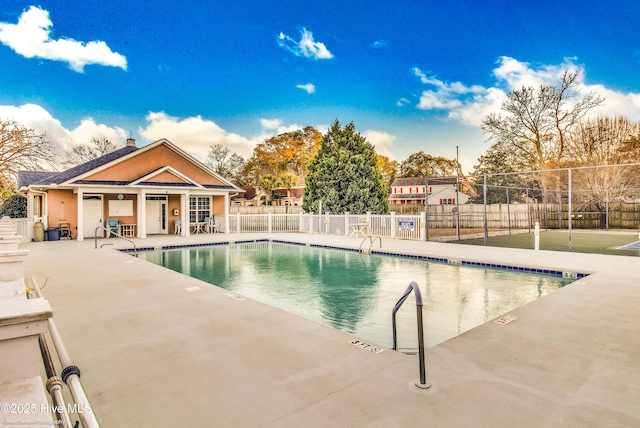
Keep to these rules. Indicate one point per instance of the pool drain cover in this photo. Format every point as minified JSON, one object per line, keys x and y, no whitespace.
{"x":505,"y":319}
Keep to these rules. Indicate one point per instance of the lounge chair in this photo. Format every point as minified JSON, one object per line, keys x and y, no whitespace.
{"x":177,"y":226}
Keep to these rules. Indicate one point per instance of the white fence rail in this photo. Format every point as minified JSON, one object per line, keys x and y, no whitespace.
{"x":24,"y":228}
{"x":387,"y":226}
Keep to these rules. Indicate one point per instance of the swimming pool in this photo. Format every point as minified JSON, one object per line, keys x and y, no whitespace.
{"x":355,"y":292}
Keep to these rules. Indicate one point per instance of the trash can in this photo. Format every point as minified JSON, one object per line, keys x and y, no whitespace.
{"x":53,"y":234}
{"x":38,"y":232}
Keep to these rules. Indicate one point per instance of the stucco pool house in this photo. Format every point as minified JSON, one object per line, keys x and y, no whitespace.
{"x":175,"y":188}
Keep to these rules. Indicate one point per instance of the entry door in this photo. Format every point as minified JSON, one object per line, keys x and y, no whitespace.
{"x":92,"y":216}
{"x":156,"y":216}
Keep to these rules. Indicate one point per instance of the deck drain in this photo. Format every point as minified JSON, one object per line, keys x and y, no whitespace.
{"x":235,"y":297}
{"x":505,"y":319}
{"x":366,"y":346}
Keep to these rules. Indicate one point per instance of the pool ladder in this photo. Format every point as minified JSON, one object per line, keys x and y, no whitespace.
{"x":413,"y":286}
{"x":110,"y":232}
{"x":372,"y":240}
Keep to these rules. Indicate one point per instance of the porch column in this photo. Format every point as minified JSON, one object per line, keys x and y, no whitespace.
{"x":142,"y":214}
{"x":80,"y":214}
{"x":226,"y":213}
{"x":183,"y":214}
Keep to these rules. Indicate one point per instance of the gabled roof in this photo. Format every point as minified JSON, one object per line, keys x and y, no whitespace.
{"x":420,"y":181}
{"x":82,"y":174}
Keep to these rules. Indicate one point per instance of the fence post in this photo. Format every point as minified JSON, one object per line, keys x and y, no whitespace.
{"x":300,"y":222}
{"x":423,"y":224}
{"x":393,"y":225}
{"x":269,"y":222}
{"x":238,"y":222}
{"x":346,"y":223}
{"x":326,"y":223}
{"x":536,"y":238}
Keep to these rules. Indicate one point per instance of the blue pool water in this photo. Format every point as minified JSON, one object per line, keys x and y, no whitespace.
{"x":355,"y":292}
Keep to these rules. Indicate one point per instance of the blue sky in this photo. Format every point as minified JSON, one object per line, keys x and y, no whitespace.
{"x":411,"y":75}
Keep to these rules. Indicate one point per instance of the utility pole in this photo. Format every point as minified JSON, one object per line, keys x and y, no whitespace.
{"x":457,"y":194}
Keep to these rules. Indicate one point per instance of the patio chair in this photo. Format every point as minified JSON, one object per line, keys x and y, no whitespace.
{"x":112,"y":226}
{"x":210,"y":224}
{"x":177,"y":226}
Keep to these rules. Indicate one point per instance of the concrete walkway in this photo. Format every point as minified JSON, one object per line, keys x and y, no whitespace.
{"x":154,"y":354}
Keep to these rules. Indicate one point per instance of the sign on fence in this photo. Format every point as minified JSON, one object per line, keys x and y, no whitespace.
{"x":406,"y":224}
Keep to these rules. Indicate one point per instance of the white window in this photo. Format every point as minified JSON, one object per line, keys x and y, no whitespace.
{"x":199,"y":208}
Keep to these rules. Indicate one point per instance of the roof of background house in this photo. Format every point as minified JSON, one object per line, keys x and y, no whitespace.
{"x":417,"y":181}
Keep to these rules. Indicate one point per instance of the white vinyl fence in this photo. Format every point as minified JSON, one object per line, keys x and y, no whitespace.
{"x":387,"y":226}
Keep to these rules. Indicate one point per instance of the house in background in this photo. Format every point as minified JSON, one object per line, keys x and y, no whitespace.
{"x":442,"y":191}
{"x":146,"y":189}
{"x":252,"y":196}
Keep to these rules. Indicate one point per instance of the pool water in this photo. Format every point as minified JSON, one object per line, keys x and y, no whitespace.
{"x":356,"y":292}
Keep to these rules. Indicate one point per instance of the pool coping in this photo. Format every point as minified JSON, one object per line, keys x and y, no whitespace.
{"x":139,"y":335}
{"x":452,"y":261}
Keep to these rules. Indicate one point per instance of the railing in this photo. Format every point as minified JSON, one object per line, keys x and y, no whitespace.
{"x":413,"y":286}
{"x":110,"y":232}
{"x":70,"y":374}
{"x":372,"y":240}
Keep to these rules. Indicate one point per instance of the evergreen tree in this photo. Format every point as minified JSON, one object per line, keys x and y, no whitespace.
{"x":344,"y":175}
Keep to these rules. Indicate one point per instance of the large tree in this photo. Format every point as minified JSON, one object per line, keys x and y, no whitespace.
{"x":422,"y":164}
{"x":24,"y":149}
{"x":227,"y":164}
{"x":344,"y":175}
{"x":388,"y":168}
{"x":83,"y":153}
{"x":535,"y":122}
{"x":289,"y":152}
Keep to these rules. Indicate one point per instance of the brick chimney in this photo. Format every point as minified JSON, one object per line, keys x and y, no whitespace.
{"x":131,"y":142}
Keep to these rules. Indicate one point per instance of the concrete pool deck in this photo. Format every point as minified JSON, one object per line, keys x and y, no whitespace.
{"x":154,"y":354}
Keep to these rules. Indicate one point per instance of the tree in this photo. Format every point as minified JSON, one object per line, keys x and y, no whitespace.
{"x":288,"y":180}
{"x":388,"y":169}
{"x":344,"y":175}
{"x":268,"y":183}
{"x":223,"y":162}
{"x":287,"y":152}
{"x":498,"y":168}
{"x":83,"y":153}
{"x":537,"y":122}
{"x":422,"y":164}
{"x":22,"y":148}
{"x":14,"y":207}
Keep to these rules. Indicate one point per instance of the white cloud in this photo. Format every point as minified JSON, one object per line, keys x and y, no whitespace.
{"x":402,"y":102}
{"x":309,"y":87}
{"x":382,"y":141}
{"x":379,"y":44}
{"x":471,"y":104}
{"x":31,"y":38}
{"x":270,"y":123}
{"x":194,"y":134}
{"x":306,"y":47}
{"x":35,"y":117}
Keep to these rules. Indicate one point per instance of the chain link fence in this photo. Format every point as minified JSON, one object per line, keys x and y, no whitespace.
{"x":582,"y":209}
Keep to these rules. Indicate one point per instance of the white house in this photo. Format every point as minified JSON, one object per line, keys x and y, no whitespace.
{"x":442,"y":191}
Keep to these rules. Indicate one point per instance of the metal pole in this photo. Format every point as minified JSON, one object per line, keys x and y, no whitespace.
{"x":423,"y":371}
{"x":528,"y":210}
{"x":426,"y":206}
{"x":70,"y":374}
{"x":606,"y":214}
{"x":508,"y":212}
{"x":484,"y":194}
{"x":570,"y":211}
{"x":457,"y":196}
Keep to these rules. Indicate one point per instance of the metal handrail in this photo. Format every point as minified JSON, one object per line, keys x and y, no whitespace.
{"x":110,"y":232}
{"x":70,"y":373}
{"x":372,"y":240}
{"x":413,"y":286}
